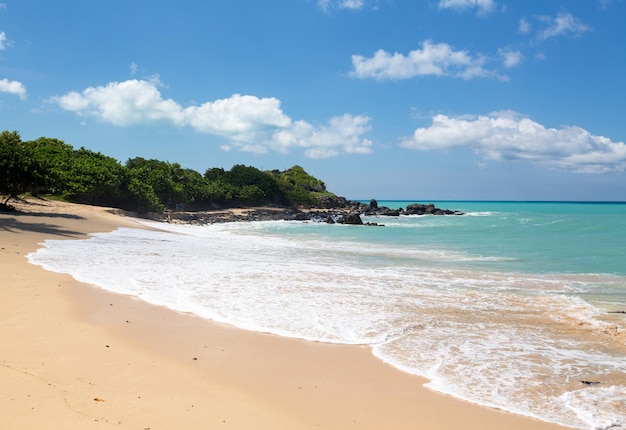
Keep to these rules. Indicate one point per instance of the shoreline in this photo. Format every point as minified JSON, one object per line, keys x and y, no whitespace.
{"x":76,"y":356}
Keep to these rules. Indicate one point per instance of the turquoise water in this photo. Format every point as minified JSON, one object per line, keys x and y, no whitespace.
{"x":513,"y":305}
{"x":530,"y":236}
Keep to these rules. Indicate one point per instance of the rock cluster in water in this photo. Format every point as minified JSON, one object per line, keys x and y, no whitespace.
{"x":351,"y":211}
{"x":328,"y":209}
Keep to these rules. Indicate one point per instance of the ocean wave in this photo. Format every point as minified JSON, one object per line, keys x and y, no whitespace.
{"x":476,"y":333}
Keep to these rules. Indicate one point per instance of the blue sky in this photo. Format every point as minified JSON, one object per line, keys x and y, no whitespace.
{"x":386,"y":99}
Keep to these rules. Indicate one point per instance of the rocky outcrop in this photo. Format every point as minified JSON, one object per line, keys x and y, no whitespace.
{"x":331,"y":202}
{"x":352,"y":218}
{"x":253,"y":214}
{"x":420,"y":209}
{"x":330,"y":209}
{"x":372,"y":208}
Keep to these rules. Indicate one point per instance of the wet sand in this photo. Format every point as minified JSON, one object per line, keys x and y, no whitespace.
{"x":73,"y":356}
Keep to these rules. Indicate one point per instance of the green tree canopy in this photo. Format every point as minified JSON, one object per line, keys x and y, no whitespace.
{"x":19,"y":171}
{"x":54,"y":157}
{"x":94,"y":178}
{"x":51,"y":166}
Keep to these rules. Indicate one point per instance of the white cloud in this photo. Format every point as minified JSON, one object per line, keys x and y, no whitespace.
{"x":133,"y":68}
{"x":510,"y":58}
{"x":351,"y":4}
{"x":327,"y":5}
{"x":4,"y":42}
{"x":248,"y":123}
{"x":6,"y":86}
{"x":507,"y":136}
{"x":483,"y":6}
{"x":562,"y":24}
{"x":13,"y":87}
{"x":524,"y":26}
{"x":125,"y":103}
{"x":240,"y":118}
{"x":437,"y":59}
{"x":342,"y":134}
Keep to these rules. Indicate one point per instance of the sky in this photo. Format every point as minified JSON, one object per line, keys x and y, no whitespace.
{"x":386,"y":99}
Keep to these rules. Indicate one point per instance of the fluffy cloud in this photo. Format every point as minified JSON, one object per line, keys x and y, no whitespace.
{"x":342,"y":134}
{"x":247,"y":122}
{"x":13,"y":87}
{"x":510,"y":58}
{"x":124,"y":103}
{"x":507,"y":136}
{"x":240,"y":118}
{"x":437,"y":59}
{"x":483,"y":6}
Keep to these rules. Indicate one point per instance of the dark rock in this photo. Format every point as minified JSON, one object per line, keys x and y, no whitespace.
{"x":430,"y":209}
{"x":420,"y":209}
{"x":331,"y":202}
{"x":352,"y":219}
{"x":300,"y":216}
{"x":388,"y":212}
{"x":367,"y":210}
{"x":330,"y":209}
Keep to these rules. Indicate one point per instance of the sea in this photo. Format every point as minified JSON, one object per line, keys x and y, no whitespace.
{"x":518,"y":306}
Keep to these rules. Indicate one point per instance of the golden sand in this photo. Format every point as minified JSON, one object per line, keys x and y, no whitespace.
{"x":75,"y":357}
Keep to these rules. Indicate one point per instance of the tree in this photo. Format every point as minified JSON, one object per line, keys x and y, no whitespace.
{"x":19,"y":171}
{"x":54,"y":158}
{"x":163,"y":177}
{"x":54,"y":167}
{"x":214,"y":174}
{"x":195,"y":186}
{"x":299,"y":187}
{"x":141,"y":197}
{"x":94,"y":178}
{"x":301,"y":179}
{"x":267,"y":188}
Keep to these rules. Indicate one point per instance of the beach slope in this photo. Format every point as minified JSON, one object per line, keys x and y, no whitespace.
{"x":75,"y":357}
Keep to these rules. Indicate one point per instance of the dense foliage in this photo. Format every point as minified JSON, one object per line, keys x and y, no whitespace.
{"x":51,"y":167}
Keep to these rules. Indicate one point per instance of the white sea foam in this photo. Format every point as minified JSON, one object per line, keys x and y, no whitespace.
{"x":598,"y":407}
{"x":483,"y":213}
{"x":514,"y":341}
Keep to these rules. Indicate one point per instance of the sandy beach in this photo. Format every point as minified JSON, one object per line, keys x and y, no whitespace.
{"x":76,"y":357}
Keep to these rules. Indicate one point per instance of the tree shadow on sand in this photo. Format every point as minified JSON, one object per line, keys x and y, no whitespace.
{"x":14,"y":225}
{"x":46,"y":214}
